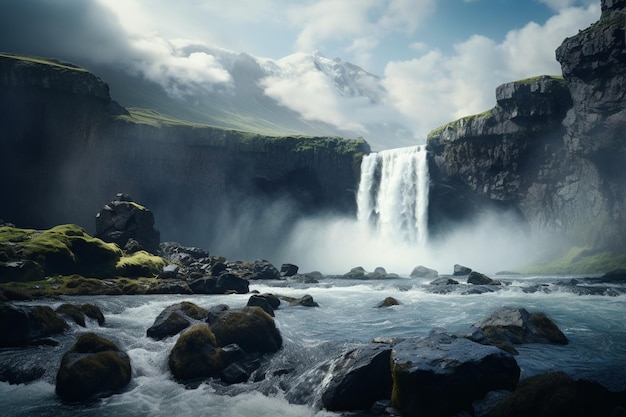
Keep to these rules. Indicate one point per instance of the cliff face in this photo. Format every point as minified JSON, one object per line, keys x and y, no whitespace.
{"x":552,"y":149}
{"x":68,"y":149}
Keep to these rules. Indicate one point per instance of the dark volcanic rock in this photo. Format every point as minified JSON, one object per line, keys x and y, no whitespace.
{"x":123,"y":219}
{"x":440,"y":375}
{"x":444,"y":281}
{"x":265,"y":270}
{"x":460,"y":270}
{"x":476,"y":278}
{"x":262,"y":302}
{"x":288,"y":270}
{"x":176,"y":318}
{"x":77,"y":313}
{"x":513,"y":326}
{"x":388,"y":302}
{"x":359,"y":378}
{"x":94,"y":367}
{"x":230,"y":283}
{"x":22,"y":325}
{"x":556,"y":394}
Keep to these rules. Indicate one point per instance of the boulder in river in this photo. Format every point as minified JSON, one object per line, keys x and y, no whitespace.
{"x":421,"y":271}
{"x":360,"y":377}
{"x":94,"y":367}
{"x":440,"y":375}
{"x":196,"y":354}
{"x":249,"y":327}
{"x":476,"y":278}
{"x":23,"y":325}
{"x":176,"y":318}
{"x":460,"y":270}
{"x":509,"y":326}
{"x":78,"y":312}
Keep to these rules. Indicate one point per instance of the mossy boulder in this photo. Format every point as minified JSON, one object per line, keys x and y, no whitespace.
{"x":62,"y":250}
{"x":77,"y":313}
{"x":250,"y":327}
{"x":557,"y":394}
{"x":94,"y":367}
{"x":196,"y":355}
{"x":176,"y":318}
{"x":140,"y":264}
{"x":23,"y":325}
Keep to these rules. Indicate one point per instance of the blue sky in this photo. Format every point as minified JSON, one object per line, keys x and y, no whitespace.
{"x":437,"y":60}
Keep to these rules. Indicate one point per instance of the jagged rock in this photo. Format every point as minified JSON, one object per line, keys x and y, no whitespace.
{"x":557,"y":394}
{"x":23,"y":325}
{"x":423,"y":272}
{"x":388,"y":302}
{"x":265,"y":270}
{"x":360,"y":377}
{"x":249,"y":327}
{"x":77,"y":313}
{"x":94,"y":367}
{"x":476,"y":278}
{"x":218,"y":268}
{"x":176,"y":318}
{"x":288,"y":270}
{"x":440,"y":375}
{"x":123,"y":219}
{"x":262,"y":302}
{"x":508,"y":326}
{"x":460,"y":270}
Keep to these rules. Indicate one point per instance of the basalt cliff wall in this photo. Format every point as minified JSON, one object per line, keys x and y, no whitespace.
{"x":552,"y":150}
{"x":68,"y":149}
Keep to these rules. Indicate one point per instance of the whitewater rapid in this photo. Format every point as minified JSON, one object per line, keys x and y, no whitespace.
{"x":347,"y":316}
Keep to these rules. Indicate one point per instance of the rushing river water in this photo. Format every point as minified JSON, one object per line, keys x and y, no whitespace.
{"x":347,"y":315}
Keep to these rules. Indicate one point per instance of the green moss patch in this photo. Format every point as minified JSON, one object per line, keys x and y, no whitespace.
{"x":578,"y":260}
{"x":61,"y":250}
{"x":140,"y":264}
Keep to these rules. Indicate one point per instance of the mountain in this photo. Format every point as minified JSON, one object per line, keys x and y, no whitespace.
{"x":553,"y":151}
{"x":335,"y":98}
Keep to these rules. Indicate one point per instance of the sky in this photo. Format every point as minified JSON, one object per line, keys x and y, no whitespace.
{"x":437,"y":60}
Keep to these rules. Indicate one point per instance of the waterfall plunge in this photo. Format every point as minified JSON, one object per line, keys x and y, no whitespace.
{"x":393,"y":194}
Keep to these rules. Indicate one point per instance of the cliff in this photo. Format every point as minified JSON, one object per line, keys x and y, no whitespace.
{"x":68,"y":149}
{"x":551,"y":150}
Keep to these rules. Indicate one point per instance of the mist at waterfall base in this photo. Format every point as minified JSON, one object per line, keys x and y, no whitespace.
{"x":391,"y":228}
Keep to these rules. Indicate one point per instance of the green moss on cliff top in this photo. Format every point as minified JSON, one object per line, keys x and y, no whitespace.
{"x":456,"y":124}
{"x":217,"y":136}
{"x":579,"y":260}
{"x":45,"y":61}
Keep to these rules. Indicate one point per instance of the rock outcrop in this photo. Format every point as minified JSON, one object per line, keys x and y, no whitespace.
{"x":552,"y":148}
{"x":23,"y":325}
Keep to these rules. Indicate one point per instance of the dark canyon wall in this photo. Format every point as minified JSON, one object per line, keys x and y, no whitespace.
{"x":552,"y":150}
{"x":67,"y":149}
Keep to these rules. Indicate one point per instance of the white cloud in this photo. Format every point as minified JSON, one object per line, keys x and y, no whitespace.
{"x":358,"y":26}
{"x":435,"y":88}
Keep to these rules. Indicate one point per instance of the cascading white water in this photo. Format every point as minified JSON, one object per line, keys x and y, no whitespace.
{"x":393,"y":194}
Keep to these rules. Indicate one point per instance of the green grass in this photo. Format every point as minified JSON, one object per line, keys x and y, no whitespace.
{"x":44,"y":61}
{"x":456,"y":124}
{"x":579,"y":260}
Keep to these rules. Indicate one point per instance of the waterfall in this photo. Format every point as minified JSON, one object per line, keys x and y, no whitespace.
{"x":393,"y":194}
